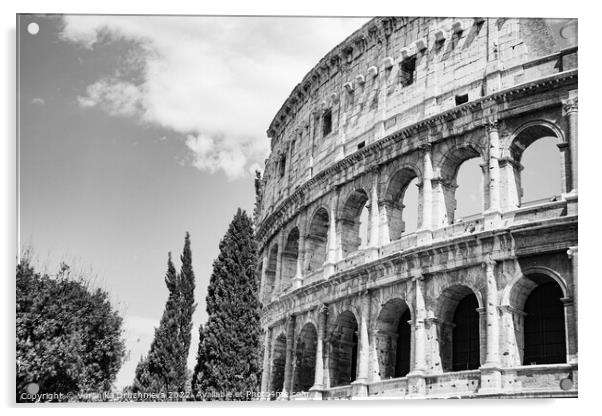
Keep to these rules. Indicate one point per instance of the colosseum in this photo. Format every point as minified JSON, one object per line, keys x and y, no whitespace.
{"x":360,"y":303}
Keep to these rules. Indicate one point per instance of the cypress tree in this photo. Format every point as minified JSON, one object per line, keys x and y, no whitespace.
{"x":164,"y":369}
{"x":228,"y":360}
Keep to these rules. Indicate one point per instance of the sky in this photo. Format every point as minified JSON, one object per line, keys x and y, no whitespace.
{"x":136,"y":129}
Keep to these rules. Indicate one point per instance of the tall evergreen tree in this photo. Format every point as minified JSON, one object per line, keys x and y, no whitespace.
{"x":228,"y":358}
{"x":164,"y":369}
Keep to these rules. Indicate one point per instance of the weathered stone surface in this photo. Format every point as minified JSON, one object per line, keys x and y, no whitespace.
{"x":406,"y":98}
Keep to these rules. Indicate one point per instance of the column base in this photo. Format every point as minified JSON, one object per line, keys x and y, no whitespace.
{"x":316,"y":392}
{"x":492,"y":219}
{"x":297,"y":282}
{"x":572,"y":200}
{"x":491,"y":379}
{"x":359,"y":389}
{"x":328,"y":269}
{"x":372,"y":253}
{"x":416,"y":384}
{"x":423,"y":237}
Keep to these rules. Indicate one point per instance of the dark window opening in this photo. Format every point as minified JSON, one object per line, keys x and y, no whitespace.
{"x":465,"y":354}
{"x":402,"y":357}
{"x":544,"y":334}
{"x":407,"y":69}
{"x":282,"y":166}
{"x":461,"y":99}
{"x":326,"y":123}
{"x":361,"y":145}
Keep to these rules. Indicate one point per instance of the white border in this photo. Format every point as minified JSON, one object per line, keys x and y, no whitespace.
{"x":589,"y":148}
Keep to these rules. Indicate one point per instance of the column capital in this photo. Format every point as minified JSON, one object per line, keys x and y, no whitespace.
{"x":492,"y":124}
{"x":570,"y":105}
{"x":567,"y":301}
{"x":425,"y":147}
{"x":489,"y":263}
{"x":322,"y":309}
{"x":572,"y":252}
{"x":420,"y":277}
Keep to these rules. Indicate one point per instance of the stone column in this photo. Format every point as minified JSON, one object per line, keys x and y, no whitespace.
{"x":341,"y":139}
{"x":570,"y":109}
{"x":288,"y":365}
{"x":373,"y":367}
{"x":373,"y":242}
{"x":265,"y":374}
{"x":331,"y":258}
{"x":424,"y":234}
{"x":317,"y":389}
{"x":278,"y":277}
{"x":264,"y":266}
{"x":383,"y":209}
{"x":360,"y":385}
{"x":439,"y":209}
{"x":298,"y":279}
{"x":491,"y":377}
{"x":570,"y":329}
{"x":573,"y":253}
{"x":493,"y":214}
{"x":510,"y":188}
{"x":416,"y":382}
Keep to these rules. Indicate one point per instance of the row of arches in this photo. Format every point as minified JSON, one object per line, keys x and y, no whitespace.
{"x":536,"y":167}
{"x":542,"y":333}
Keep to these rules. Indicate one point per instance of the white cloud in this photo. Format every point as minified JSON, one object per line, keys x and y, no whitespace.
{"x":115,"y":97}
{"x":38,"y":101}
{"x":217,"y":81}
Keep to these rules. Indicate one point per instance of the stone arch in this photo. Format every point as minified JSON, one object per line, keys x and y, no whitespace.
{"x":393,"y":339}
{"x":317,"y":239}
{"x":520,"y":139}
{"x":349,"y":222}
{"x":513,"y":294}
{"x":393,"y":200}
{"x":344,"y":349}
{"x":448,"y":167}
{"x":305,"y":358}
{"x":290,"y":255}
{"x":270,"y":273}
{"x":278,"y":363}
{"x":459,"y":328}
{"x":536,"y":319}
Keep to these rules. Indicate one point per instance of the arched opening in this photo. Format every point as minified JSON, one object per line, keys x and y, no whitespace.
{"x":459,"y":344}
{"x":343,"y":362}
{"x":401,"y":203}
{"x":536,"y":175}
{"x":270,"y":274}
{"x":305,"y":358}
{"x":364,"y":227}
{"x":463,"y":185}
{"x":545,"y":339}
{"x":540,"y":328}
{"x":466,"y":349}
{"x":278,"y":364}
{"x":317,"y":239}
{"x":350,"y":222}
{"x":469,"y":191}
{"x":393,"y":339}
{"x":289,"y":258}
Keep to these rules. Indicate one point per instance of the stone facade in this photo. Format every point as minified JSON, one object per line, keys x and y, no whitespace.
{"x":480,"y":306}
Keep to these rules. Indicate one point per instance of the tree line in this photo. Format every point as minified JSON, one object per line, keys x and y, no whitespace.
{"x":70,"y":337}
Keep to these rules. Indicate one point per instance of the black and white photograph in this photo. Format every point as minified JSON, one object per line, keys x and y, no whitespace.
{"x":285,"y":208}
